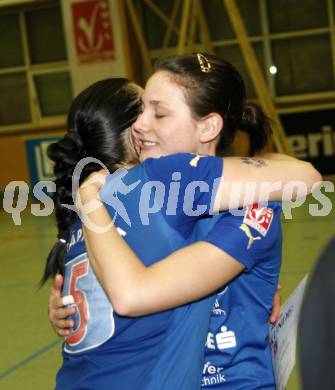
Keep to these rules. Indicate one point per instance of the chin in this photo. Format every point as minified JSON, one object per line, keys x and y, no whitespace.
{"x":150,"y":154}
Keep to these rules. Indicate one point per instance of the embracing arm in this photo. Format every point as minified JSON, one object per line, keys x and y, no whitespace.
{"x":134,"y":289}
{"x":270,"y":177}
{"x":58,"y":313}
{"x":185,"y":275}
{"x":182,"y":277}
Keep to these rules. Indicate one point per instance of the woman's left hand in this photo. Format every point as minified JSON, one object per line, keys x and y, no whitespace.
{"x":276,"y":306}
{"x":88,"y":193}
{"x":94,"y":182}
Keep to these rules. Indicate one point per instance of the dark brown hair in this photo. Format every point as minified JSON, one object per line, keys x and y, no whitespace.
{"x":220,"y":89}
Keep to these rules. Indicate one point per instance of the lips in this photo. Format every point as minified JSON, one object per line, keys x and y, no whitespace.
{"x":144,"y":143}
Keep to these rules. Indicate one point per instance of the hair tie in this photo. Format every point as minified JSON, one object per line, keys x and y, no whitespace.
{"x":62,"y":236}
{"x":205,"y":65}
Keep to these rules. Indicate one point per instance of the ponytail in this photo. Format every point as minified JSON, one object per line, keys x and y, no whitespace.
{"x":66,"y":153}
{"x":55,"y":262}
{"x":96,"y":122}
{"x":257,"y":125}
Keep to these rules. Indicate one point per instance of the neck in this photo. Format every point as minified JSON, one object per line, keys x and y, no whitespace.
{"x":207,"y":149}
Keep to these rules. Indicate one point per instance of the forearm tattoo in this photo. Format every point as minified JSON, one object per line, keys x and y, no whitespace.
{"x":253,"y":161}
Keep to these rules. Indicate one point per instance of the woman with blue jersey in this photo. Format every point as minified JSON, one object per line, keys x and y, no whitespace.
{"x":237,"y":350}
{"x":207,"y":131}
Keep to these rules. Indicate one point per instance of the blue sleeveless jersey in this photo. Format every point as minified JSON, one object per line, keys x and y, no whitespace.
{"x":238,"y":355}
{"x":155,"y":207}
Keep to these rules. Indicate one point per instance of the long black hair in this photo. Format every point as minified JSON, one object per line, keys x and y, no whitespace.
{"x":96,"y":121}
{"x":212,"y":84}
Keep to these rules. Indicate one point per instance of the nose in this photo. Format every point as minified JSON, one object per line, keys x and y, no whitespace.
{"x":140,"y":126}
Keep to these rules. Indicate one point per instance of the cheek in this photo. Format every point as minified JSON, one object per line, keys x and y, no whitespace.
{"x":180,"y":132}
{"x":186,"y":137}
{"x":177,"y":136}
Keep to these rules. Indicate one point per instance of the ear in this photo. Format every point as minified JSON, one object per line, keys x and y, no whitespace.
{"x":209,"y":127}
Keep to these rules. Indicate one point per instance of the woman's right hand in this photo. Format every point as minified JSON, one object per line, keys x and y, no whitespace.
{"x":58,"y":313}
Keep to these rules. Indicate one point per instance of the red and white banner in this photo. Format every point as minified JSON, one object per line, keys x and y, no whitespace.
{"x":92,"y":31}
{"x":96,"y":39}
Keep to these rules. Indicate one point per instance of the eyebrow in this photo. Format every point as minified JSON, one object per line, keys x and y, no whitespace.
{"x":158,"y":102}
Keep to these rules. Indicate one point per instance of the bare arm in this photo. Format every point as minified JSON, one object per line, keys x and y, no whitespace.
{"x":267,"y":177}
{"x":134,"y":289}
{"x":297,"y":170}
{"x":186,"y":275}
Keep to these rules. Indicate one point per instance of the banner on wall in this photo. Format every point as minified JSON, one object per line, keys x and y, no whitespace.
{"x":96,"y":40}
{"x":312,"y":137}
{"x":92,"y":31}
{"x":40,"y":166}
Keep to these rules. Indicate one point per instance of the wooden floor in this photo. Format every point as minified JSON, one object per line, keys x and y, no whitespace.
{"x":30,"y":353}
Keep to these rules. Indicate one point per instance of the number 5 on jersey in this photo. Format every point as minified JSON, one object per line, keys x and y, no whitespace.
{"x":93,"y":321}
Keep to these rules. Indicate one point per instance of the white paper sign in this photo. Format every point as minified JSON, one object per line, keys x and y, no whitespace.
{"x":283,"y":336}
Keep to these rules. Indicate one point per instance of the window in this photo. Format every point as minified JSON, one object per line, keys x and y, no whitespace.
{"x":294,"y":15}
{"x":304,"y":64}
{"x":35,"y":84}
{"x":294,"y":37}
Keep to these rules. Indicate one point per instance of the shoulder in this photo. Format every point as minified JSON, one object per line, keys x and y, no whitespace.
{"x":189,"y":159}
{"x":189,"y":164}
